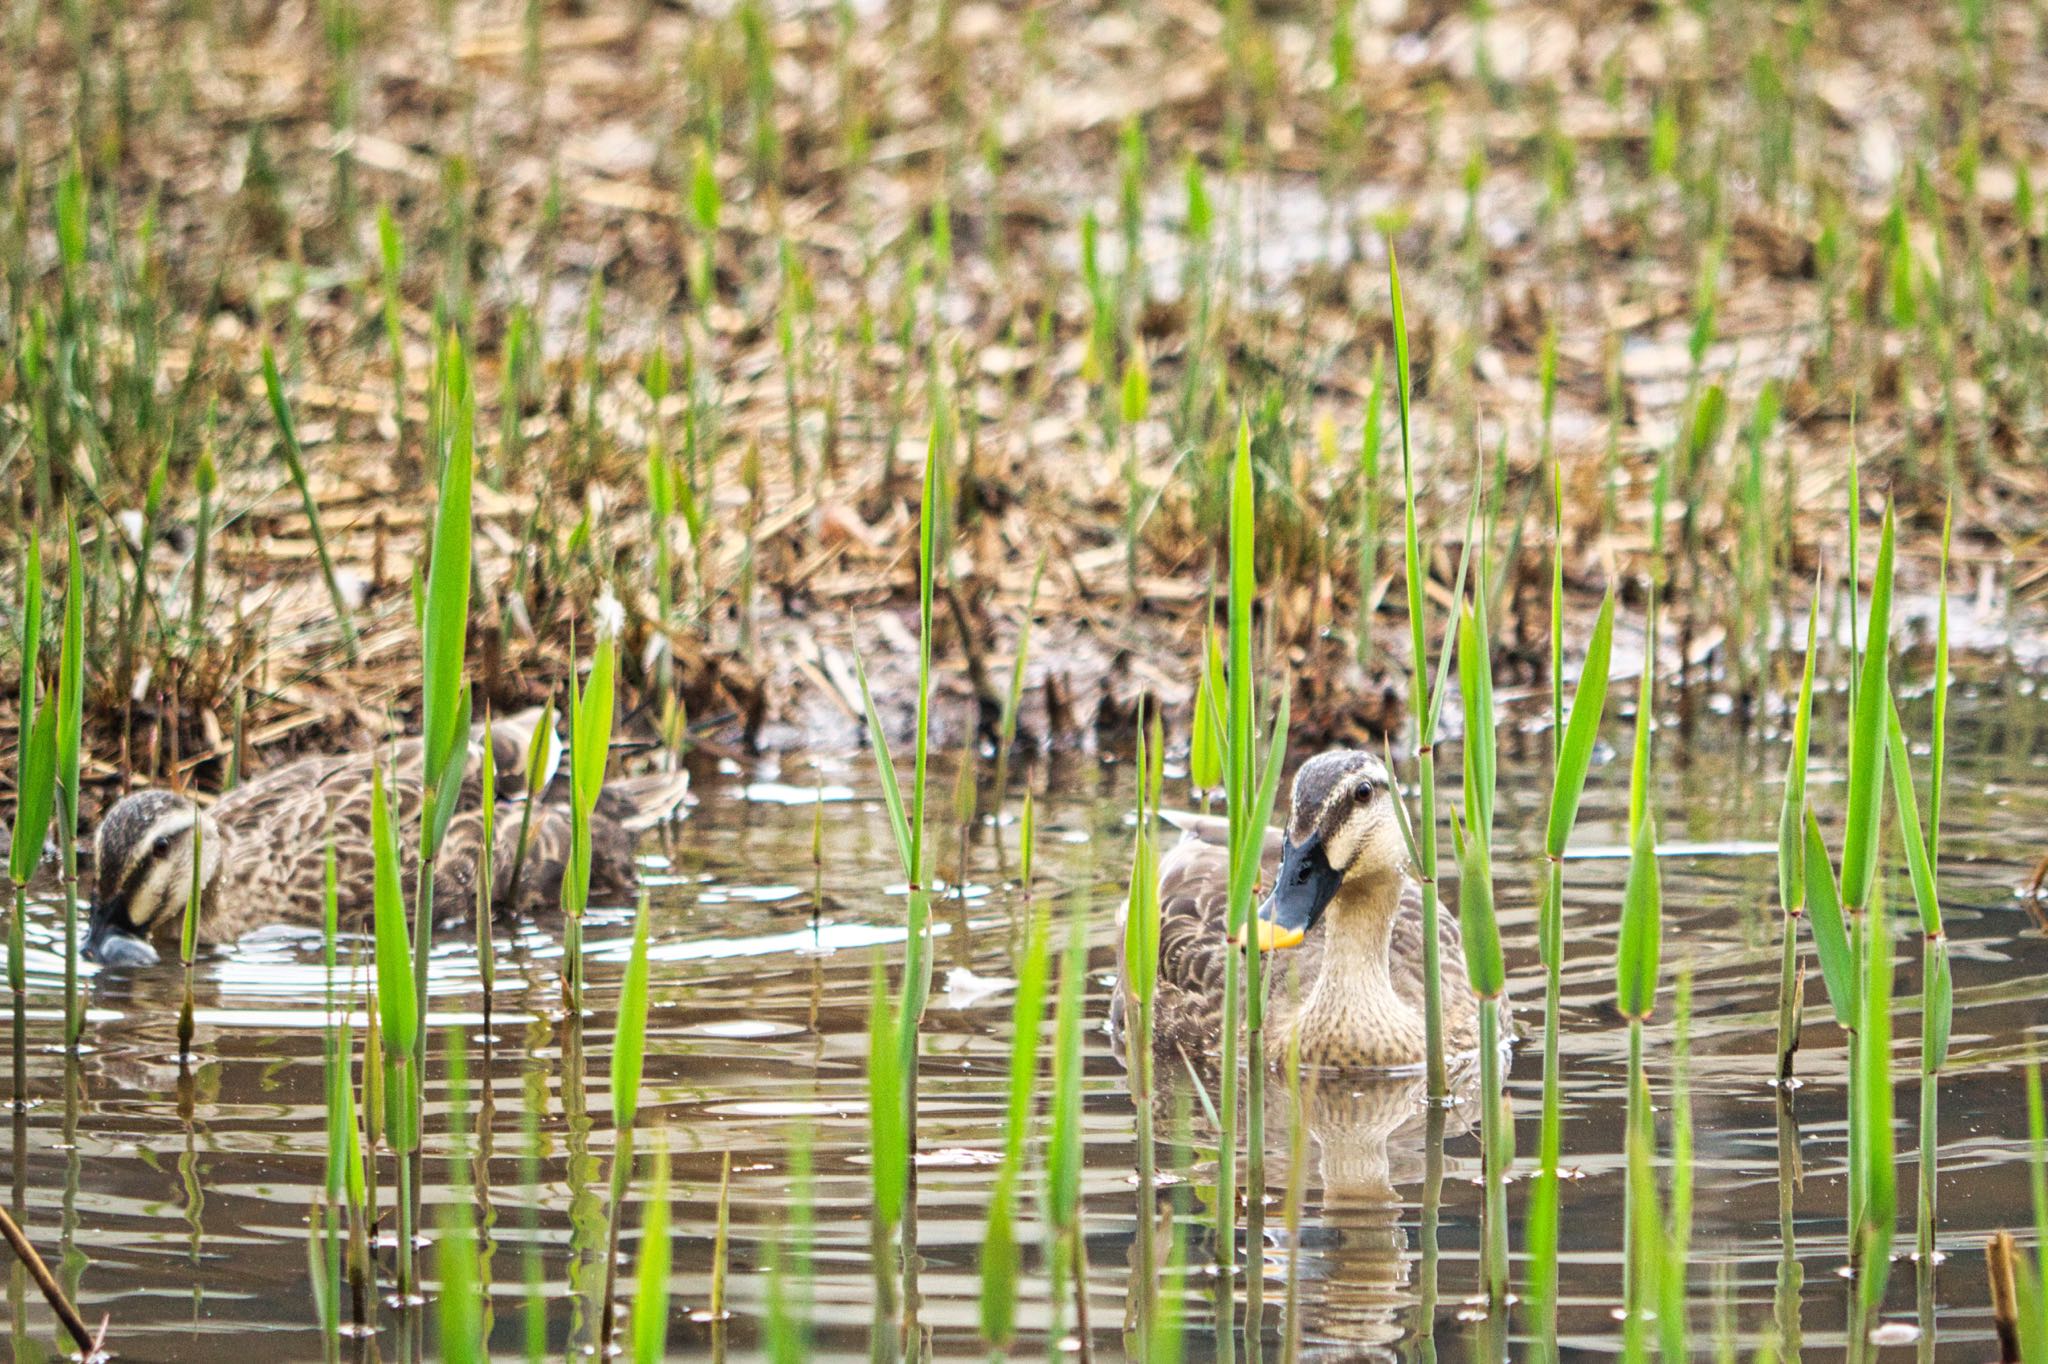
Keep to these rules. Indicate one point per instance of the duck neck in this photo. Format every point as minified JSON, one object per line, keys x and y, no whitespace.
{"x":1353,"y":1015}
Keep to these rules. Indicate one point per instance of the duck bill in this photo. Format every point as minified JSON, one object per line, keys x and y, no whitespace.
{"x":110,"y":942}
{"x":1301,"y":892}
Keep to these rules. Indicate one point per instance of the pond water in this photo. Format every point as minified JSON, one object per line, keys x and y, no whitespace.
{"x":174,"y":1198}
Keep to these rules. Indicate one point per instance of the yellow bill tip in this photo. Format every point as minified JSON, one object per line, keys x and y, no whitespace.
{"x":1270,"y":936}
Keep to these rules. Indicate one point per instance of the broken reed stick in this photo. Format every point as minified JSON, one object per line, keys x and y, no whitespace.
{"x":88,"y":1344}
{"x":2005,"y":1312}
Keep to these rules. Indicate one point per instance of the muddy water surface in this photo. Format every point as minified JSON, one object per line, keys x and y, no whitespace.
{"x":174,"y":1198}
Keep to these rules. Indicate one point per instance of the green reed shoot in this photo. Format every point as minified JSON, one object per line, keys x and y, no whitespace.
{"x":188,"y":936}
{"x":1791,"y":853}
{"x":391,"y":256}
{"x":1000,"y":1265}
{"x":295,"y":465}
{"x":1205,"y":726}
{"x":1066,"y":1249}
{"x":649,"y":1342}
{"x":629,"y":1056}
{"x":1368,"y":525}
{"x":35,"y":796}
{"x":1141,"y":952}
{"x":1238,"y":738}
{"x":399,"y":1012}
{"x":590,"y":743}
{"x":1637,"y":951}
{"x":486,"y":853}
{"x":1677,"y":1230}
{"x":908,"y":827}
{"x":460,"y":1306}
{"x":1572,"y":757}
{"x":1421,"y":702}
{"x":1136,"y":398}
{"x":1248,"y":830}
{"x":888,"y":1141}
{"x":1923,"y":860}
{"x":1013,"y":696}
{"x":1485,"y":964}
{"x":70,"y":707}
{"x":543,"y":754}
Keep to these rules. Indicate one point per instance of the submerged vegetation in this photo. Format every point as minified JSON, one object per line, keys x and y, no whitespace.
{"x":380,"y":373}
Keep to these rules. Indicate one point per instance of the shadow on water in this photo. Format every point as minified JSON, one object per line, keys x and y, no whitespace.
{"x":174,"y":1197}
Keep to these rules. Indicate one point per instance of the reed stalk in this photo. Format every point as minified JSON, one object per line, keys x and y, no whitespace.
{"x":1421,"y":703}
{"x":1141,"y":953}
{"x":35,"y":796}
{"x":1637,"y":951}
{"x":629,"y":1056}
{"x":70,"y":709}
{"x":1485,"y":964}
{"x":398,"y":1012}
{"x":1791,"y":858}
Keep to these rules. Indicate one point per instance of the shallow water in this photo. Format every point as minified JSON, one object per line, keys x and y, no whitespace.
{"x":174,"y":1198}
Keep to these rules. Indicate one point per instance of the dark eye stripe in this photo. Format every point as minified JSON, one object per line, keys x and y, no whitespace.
{"x":138,"y":871}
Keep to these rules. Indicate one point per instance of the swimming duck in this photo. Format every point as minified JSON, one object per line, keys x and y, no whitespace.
{"x":1342,"y":896}
{"x":263,"y":845}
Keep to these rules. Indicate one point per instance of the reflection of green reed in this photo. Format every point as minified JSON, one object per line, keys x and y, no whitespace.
{"x":1000,"y":1267}
{"x":1141,"y":951}
{"x":629,"y":1054}
{"x":1637,"y":950}
{"x":1574,"y":737}
{"x":459,"y":1308}
{"x":649,"y":1341}
{"x":1066,"y":1251}
{"x":893,"y":1032}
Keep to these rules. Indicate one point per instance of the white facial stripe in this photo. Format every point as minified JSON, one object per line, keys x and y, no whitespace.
{"x":1343,"y":845}
{"x":169,"y":878}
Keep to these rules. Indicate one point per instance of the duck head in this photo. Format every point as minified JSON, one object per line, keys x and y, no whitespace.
{"x":1343,"y":824}
{"x":142,"y":873}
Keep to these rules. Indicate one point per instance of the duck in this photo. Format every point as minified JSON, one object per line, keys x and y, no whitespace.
{"x":1344,"y":905}
{"x":262,"y":847}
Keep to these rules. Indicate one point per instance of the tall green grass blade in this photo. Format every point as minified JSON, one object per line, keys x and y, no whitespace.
{"x":1581,"y":732}
{"x":886,"y":1138}
{"x":70,"y":710}
{"x":444,"y":632}
{"x":1791,"y":811}
{"x":1485,"y":964}
{"x":1641,"y":937}
{"x":1830,"y":930}
{"x":396,"y":1008}
{"x":1636,"y":955}
{"x":1919,"y":865}
{"x":1866,"y":739}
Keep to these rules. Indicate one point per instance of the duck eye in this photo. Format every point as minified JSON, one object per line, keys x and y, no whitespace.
{"x":162,"y":845}
{"x":1363,"y":793}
